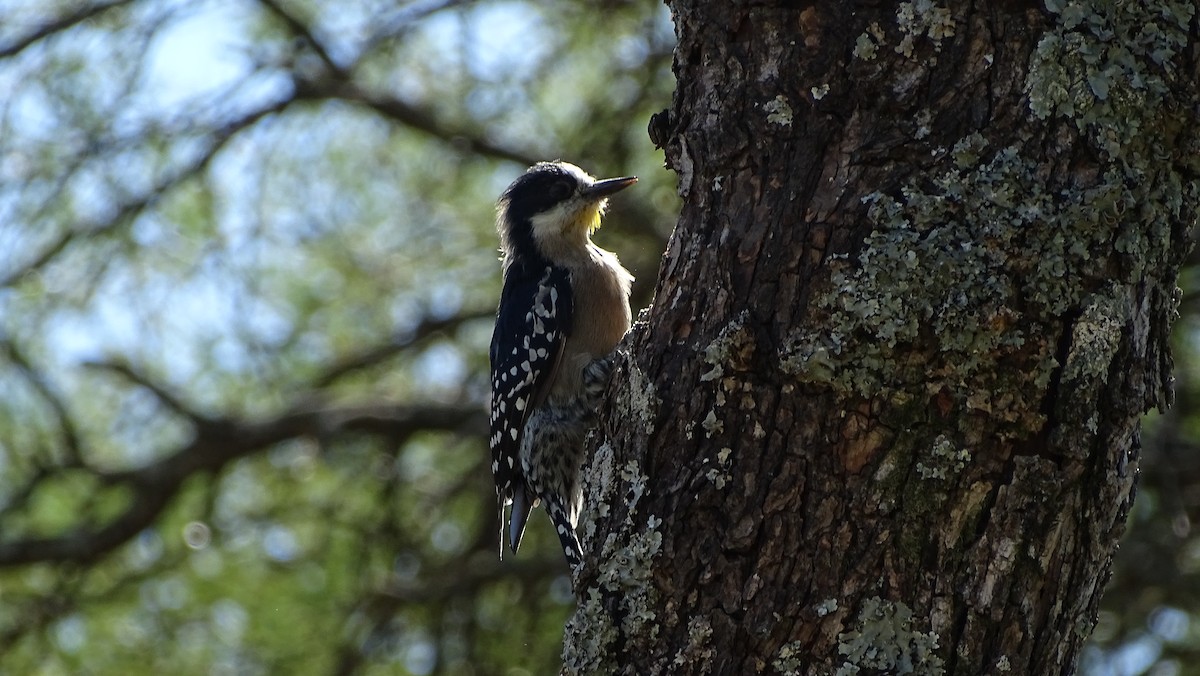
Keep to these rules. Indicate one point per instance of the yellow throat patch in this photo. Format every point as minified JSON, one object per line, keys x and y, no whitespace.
{"x":589,"y":218}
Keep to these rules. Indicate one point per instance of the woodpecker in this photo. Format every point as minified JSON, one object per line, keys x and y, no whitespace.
{"x":563,"y":308}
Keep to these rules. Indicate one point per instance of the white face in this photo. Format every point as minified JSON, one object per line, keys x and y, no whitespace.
{"x":577,"y":216}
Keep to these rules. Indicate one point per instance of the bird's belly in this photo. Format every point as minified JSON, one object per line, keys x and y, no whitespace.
{"x":601,"y":317}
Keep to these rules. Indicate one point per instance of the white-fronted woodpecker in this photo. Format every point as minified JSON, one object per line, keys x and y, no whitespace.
{"x":564,"y":307}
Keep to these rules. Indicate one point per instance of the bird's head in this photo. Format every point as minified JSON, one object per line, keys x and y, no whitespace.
{"x":553,"y":204}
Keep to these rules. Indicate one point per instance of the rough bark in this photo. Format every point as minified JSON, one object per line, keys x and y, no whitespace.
{"x":883,"y":414}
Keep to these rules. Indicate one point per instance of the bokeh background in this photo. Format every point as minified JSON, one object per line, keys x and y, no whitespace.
{"x":247,"y":273}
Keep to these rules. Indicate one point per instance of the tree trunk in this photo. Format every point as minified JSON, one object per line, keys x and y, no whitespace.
{"x":883,"y":414}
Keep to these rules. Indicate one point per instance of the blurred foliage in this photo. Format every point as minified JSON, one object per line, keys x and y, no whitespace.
{"x":247,"y":270}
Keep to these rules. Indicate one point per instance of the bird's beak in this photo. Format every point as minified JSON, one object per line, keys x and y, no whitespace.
{"x":608,"y":186}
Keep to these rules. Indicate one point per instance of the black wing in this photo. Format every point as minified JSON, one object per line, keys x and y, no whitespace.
{"x":531,"y":329}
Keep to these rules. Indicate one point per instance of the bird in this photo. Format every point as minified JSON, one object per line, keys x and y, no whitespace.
{"x":563,"y":308}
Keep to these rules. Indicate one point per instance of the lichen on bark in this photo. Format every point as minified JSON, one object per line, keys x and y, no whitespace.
{"x":992,"y":238}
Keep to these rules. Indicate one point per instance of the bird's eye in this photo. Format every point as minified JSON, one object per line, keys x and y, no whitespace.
{"x":561,"y":190}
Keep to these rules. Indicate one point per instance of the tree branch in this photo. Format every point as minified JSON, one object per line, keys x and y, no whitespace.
{"x":58,"y":25}
{"x":131,"y":374}
{"x":371,"y":356}
{"x":66,"y":424}
{"x":402,"y":19}
{"x":468,"y":579}
{"x":219,"y":442}
{"x":130,"y":209}
{"x":301,"y":29}
{"x":409,"y":115}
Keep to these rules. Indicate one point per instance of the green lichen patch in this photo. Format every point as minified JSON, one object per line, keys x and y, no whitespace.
{"x":974,"y":268}
{"x":712,"y":424}
{"x":1096,"y":337}
{"x":919,"y":19}
{"x":779,"y":111}
{"x":620,"y":599}
{"x":720,"y":475}
{"x":959,"y":260}
{"x":731,"y":349}
{"x":943,"y":459}
{"x":866,"y":47}
{"x":937,"y":277}
{"x":698,"y":652}
{"x":1107,"y":66}
{"x":827,"y":606}
{"x":598,"y":491}
{"x":642,"y":398}
{"x":625,"y":573}
{"x":591,"y":636}
{"x":790,"y":659}
{"x":884,"y":640}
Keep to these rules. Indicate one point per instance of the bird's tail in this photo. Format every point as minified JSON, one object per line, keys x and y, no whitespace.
{"x":517,"y":518}
{"x":566,"y":532}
